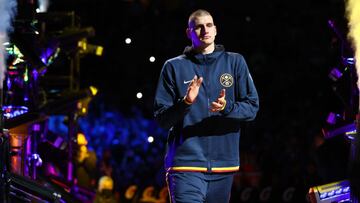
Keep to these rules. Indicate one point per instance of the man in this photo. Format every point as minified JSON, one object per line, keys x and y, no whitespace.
{"x":202,"y":96}
{"x":85,"y":163}
{"x":105,"y":191}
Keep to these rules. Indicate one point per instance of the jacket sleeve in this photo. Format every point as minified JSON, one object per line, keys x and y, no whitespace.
{"x":169,"y":107}
{"x":246,"y":103}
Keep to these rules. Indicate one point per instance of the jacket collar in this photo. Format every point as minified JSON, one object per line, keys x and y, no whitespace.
{"x":204,"y":58}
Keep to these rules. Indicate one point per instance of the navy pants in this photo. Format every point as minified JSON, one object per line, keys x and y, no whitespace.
{"x":198,"y":187}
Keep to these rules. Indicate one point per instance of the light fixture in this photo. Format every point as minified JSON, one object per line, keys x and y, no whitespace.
{"x":335,"y":74}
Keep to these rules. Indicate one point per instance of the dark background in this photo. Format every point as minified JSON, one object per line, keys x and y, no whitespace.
{"x":288,"y":45}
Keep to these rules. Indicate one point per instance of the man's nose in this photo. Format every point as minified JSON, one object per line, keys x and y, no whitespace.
{"x":204,"y":29}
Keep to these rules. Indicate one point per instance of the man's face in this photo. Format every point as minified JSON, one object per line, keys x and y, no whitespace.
{"x":202,"y":31}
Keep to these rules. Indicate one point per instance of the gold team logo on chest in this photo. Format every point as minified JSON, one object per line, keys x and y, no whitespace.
{"x":226,"y":80}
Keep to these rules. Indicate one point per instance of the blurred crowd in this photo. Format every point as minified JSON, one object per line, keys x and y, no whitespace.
{"x":127,"y":149}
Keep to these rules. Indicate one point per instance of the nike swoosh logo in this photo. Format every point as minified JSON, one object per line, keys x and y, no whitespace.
{"x":186,"y":82}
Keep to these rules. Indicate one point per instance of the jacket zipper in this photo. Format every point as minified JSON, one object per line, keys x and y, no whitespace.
{"x":208,"y":94}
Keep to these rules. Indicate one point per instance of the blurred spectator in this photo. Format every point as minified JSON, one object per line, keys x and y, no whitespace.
{"x":104,"y":193}
{"x":85,"y":164}
{"x":107,"y":167}
{"x":148,"y":195}
{"x":131,"y":194}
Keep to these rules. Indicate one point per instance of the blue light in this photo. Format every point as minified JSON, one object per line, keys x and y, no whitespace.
{"x":13,"y":111}
{"x":346,"y":189}
{"x":337,"y":192}
{"x":323,"y":195}
{"x":350,"y":60}
{"x":331,"y":193}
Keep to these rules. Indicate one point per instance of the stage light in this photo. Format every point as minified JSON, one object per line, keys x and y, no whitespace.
{"x":127,"y":40}
{"x":87,"y":48}
{"x":35,"y":159}
{"x":333,"y":118}
{"x":335,"y":74}
{"x":150,"y":139}
{"x":93,"y":90}
{"x":35,"y":53}
{"x":81,"y":139}
{"x":351,"y":134}
{"x":49,"y":54}
{"x":14,"y":111}
{"x":346,"y":129}
{"x":82,"y":105}
{"x":43,"y":6}
{"x":152,"y":59}
{"x":139,"y":95}
{"x":13,"y":50}
{"x":349,"y":61}
{"x":331,"y":192}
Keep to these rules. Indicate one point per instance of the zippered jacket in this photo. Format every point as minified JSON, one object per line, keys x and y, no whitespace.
{"x":200,"y":140}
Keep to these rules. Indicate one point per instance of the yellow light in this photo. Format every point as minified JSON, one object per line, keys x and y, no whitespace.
{"x":353,"y":16}
{"x":93,"y":90}
{"x":26,"y":77}
{"x":82,"y":44}
{"x":99,"y":50}
{"x":81,"y":139}
{"x":83,"y":110}
{"x":87,"y":48}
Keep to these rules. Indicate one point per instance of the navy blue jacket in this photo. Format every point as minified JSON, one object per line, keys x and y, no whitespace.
{"x":200,"y":140}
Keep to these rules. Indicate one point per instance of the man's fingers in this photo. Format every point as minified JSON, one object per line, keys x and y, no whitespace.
{"x":199,"y":81}
{"x":216,"y":105}
{"x":196,"y":81}
{"x":222,"y":93}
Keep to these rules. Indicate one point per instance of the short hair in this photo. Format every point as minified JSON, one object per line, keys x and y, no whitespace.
{"x":105,"y":183}
{"x":197,"y":13}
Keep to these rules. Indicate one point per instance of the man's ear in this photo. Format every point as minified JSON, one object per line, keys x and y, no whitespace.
{"x":215,"y":31}
{"x":188,"y":33}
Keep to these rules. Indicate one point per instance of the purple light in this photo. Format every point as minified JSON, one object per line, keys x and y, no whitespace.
{"x":36,"y":127}
{"x":331,"y":119}
{"x":70,"y":171}
{"x":8,"y":83}
{"x":347,"y":128}
{"x":48,"y":54}
{"x":335,"y":74}
{"x":331,"y":23}
{"x":44,"y":56}
{"x":35,"y":74}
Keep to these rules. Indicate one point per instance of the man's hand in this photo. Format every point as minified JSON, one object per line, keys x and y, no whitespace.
{"x":220,"y":102}
{"x":193,"y":90}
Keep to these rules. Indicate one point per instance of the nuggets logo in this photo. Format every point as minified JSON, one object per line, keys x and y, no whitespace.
{"x":226,"y":80}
